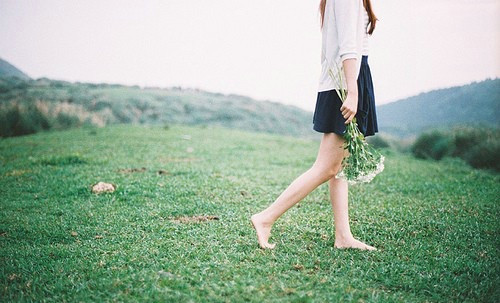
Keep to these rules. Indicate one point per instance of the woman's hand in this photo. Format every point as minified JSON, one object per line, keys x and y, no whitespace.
{"x":349,"y":107}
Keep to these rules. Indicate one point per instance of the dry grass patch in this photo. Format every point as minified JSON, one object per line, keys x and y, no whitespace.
{"x":194,"y":219}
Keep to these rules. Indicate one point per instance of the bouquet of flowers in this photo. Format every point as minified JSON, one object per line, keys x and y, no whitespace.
{"x":363,"y":162}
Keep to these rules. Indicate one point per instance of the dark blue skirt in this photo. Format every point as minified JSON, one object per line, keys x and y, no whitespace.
{"x":327,"y":116}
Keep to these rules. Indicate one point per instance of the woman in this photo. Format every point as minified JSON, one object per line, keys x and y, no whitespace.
{"x":346,"y":26}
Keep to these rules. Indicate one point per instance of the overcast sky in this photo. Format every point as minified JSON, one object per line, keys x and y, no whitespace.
{"x":268,"y":50}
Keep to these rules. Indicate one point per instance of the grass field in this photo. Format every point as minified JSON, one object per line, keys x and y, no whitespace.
{"x":435,"y":224}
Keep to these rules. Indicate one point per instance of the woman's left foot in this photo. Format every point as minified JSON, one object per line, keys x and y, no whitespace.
{"x":353,"y":243}
{"x":263,"y":230}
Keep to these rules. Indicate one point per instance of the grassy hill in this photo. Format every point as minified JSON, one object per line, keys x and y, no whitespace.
{"x":473,"y":104}
{"x":435,"y":223}
{"x":34,"y":105}
{"x":9,"y":70}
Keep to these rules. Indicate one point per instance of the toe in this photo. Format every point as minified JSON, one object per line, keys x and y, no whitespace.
{"x":271,"y":246}
{"x":371,"y":247}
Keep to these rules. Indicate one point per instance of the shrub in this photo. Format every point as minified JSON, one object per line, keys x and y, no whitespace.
{"x":21,"y":119}
{"x":434,"y":145}
{"x":484,"y":155}
{"x":9,"y":117}
{"x":466,"y":138}
{"x":122,"y":115}
{"x":65,"y":120}
{"x":478,"y":146}
{"x":100,"y":105}
{"x":378,"y":142}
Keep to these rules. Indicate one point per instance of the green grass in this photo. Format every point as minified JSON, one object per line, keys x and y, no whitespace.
{"x":434,"y":223}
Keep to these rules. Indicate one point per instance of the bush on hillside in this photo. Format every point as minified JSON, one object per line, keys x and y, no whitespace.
{"x":478,"y":146}
{"x":378,"y":142}
{"x":21,"y":119}
{"x":484,"y":155}
{"x":433,"y":145}
{"x":65,"y":120}
{"x":466,"y":138}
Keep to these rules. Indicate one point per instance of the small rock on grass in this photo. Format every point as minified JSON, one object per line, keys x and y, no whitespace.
{"x":101,"y":187}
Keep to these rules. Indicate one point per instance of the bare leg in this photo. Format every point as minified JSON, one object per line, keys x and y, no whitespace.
{"x":339,"y":197}
{"x":325,"y":167}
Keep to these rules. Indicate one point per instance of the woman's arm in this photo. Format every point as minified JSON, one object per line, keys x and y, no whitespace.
{"x":350,"y":105}
{"x":346,"y":18}
{"x":346,"y":14}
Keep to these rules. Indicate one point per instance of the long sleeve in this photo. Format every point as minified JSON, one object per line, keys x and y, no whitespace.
{"x":341,"y":39}
{"x":346,"y":15}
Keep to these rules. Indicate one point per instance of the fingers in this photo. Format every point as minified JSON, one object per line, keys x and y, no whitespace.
{"x":345,"y":111}
{"x":348,"y":114}
{"x":349,"y":119}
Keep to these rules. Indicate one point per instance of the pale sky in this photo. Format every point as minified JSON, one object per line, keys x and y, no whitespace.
{"x":268,"y":50}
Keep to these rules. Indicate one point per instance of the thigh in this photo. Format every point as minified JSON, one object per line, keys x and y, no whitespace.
{"x":331,"y":151}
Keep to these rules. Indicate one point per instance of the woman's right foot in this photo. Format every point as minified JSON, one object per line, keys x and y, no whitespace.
{"x":352,"y":243}
{"x":263,"y":230}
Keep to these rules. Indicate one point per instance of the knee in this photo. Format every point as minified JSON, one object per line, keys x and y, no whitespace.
{"x":326,"y":172}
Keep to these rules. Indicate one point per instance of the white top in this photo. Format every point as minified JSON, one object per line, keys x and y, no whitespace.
{"x":343,"y":37}
{"x":364,"y":49}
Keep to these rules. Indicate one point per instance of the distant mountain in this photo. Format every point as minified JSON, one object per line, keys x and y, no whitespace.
{"x":472,"y":104}
{"x":9,"y":70}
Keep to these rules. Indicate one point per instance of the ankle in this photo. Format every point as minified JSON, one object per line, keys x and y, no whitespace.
{"x":263,"y":219}
{"x":344,"y":236}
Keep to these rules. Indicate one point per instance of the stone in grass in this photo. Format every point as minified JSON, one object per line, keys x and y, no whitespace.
{"x":102,"y":187}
